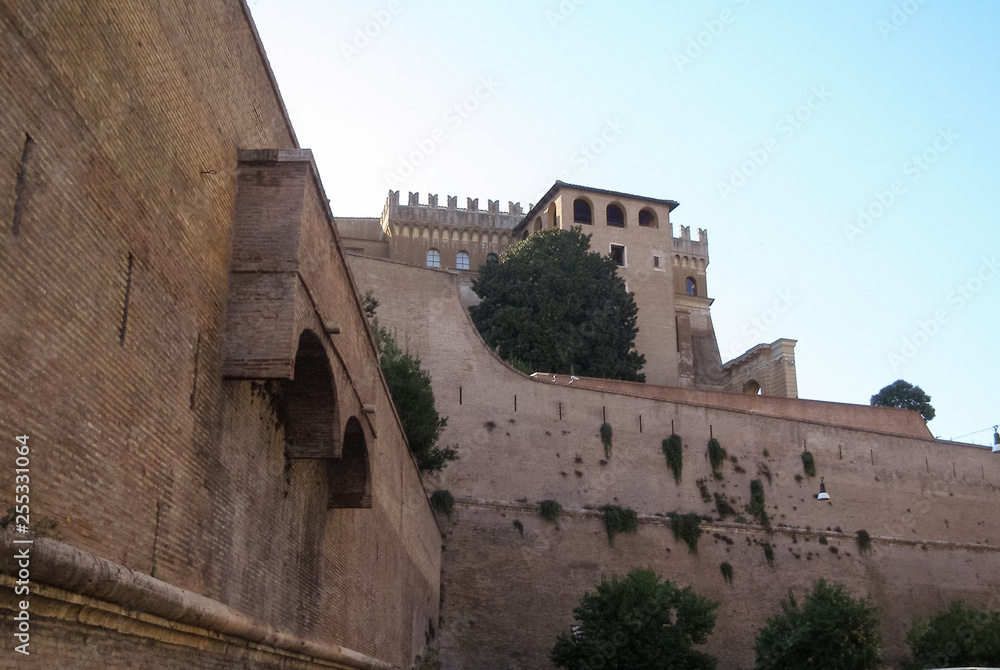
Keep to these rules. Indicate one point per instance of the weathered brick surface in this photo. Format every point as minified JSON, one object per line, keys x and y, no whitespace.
{"x":141,"y":452}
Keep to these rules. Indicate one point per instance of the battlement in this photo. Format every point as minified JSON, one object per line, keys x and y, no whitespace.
{"x":435,"y":215}
{"x":472,"y":204}
{"x":684,"y":243}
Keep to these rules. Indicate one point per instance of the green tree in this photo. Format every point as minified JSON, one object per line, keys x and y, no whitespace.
{"x":410,"y":388}
{"x":638,"y":621}
{"x":831,"y":631}
{"x":905,"y":395}
{"x":958,"y":636}
{"x":559,"y":307}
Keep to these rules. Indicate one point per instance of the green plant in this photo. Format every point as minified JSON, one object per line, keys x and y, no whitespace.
{"x":727,"y":572}
{"x":519,"y":527}
{"x":549,"y":510}
{"x":723,"y":506}
{"x":831,"y":631}
{"x":864,"y":542}
{"x":638,"y":621}
{"x":686,"y":528}
{"x":769,"y":553}
{"x":822,"y":539}
{"x":606,"y":439}
{"x":674,"y":451}
{"x":619,"y":520}
{"x":716,"y":457}
{"x":519,"y":365}
{"x":429,"y":661}
{"x":443,"y":501}
{"x":905,"y":395}
{"x":808,"y":463}
{"x":757,"y":507}
{"x":957,"y":636}
{"x":703,"y":489}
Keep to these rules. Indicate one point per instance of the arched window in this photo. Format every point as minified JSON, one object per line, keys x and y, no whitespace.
{"x":462,"y":261}
{"x":752,"y":388}
{"x":433,"y":258}
{"x":538,"y":223}
{"x":616,"y":217}
{"x":582,"y":212}
{"x":647,"y":218}
{"x":692,"y":286}
{"x":551,"y":216}
{"x":492,"y":258}
{"x":524,"y":235}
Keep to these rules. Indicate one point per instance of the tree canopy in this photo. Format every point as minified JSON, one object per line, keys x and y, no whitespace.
{"x":905,"y":395}
{"x":638,"y":622}
{"x":831,"y":631}
{"x":958,"y":636}
{"x":558,"y":307}
{"x":410,"y":388}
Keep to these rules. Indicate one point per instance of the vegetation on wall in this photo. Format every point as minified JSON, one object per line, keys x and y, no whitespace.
{"x":619,"y":520}
{"x":443,"y":501}
{"x":905,"y":395}
{"x":864,"y":542}
{"x":808,"y":463}
{"x":724,"y":508}
{"x":716,"y":457}
{"x":606,"y":439}
{"x":549,"y":510}
{"x":410,"y":389}
{"x":757,"y":507}
{"x":687,"y":529}
{"x":727,"y":572}
{"x":673,"y":450}
{"x":638,"y":621}
{"x":428,"y":661}
{"x":559,"y":307}
{"x":831,"y":631}
{"x":769,"y":553}
{"x":703,"y":490}
{"x":519,"y":527}
{"x":958,"y":636}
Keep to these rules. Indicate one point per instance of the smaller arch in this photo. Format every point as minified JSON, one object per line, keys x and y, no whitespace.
{"x":349,"y":481}
{"x":492,"y":258}
{"x":425,"y":233}
{"x":433,"y":258}
{"x":538,"y":223}
{"x":309,"y":404}
{"x":647,"y":218}
{"x":615,"y":216}
{"x":455,"y":236}
{"x":462,"y":260}
{"x":495,"y":238}
{"x":551,"y":217}
{"x":475,"y":237}
{"x":691,"y":286}
{"x":465,"y":236}
{"x":524,"y":235}
{"x":504,"y":239}
{"x":752,"y":388}
{"x":583,"y":212}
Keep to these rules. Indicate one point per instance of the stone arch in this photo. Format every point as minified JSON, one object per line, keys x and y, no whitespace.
{"x":405,"y":231}
{"x":425,"y":233}
{"x":647,"y":218}
{"x":310,"y":403}
{"x":505,"y":239}
{"x":691,"y":286}
{"x":752,"y":387}
{"x":538,"y":223}
{"x":465,"y":236}
{"x":583,"y":211}
{"x":475,"y":237}
{"x":615,"y":215}
{"x":551,"y":218}
{"x":349,"y":479}
{"x":495,"y":238}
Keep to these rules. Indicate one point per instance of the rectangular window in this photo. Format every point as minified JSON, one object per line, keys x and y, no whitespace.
{"x":618,"y":254}
{"x":656,"y":262}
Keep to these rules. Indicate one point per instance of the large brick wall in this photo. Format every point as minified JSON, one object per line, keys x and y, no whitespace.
{"x":116,"y":230}
{"x":505,"y":598}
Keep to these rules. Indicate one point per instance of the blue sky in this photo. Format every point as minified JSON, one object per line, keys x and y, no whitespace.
{"x":842,"y":155}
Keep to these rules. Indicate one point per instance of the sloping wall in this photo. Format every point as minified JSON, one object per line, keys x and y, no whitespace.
{"x":522,"y":440}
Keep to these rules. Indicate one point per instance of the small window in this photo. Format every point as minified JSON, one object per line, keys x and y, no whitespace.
{"x":582,"y":212}
{"x":616,"y":216}
{"x":647,"y":218}
{"x":462,"y":261}
{"x":618,"y":254}
{"x":656,"y":262}
{"x":692,"y":286}
{"x":433,"y":258}
{"x":492,"y":258}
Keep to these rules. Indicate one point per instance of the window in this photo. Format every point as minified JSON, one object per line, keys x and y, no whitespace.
{"x":656,"y":262}
{"x":618,"y":254}
{"x":692,"y":286}
{"x":647,"y":218}
{"x":433,"y":258}
{"x":616,"y":216}
{"x":462,"y":261}
{"x":492,"y":258}
{"x":582,"y":212}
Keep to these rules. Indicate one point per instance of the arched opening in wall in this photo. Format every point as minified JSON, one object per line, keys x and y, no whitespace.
{"x":538,"y":223}
{"x":309,"y":403}
{"x":462,"y":261}
{"x":552,"y":221}
{"x":616,"y":216}
{"x":524,"y":235}
{"x":647,"y":218}
{"x":492,"y":258}
{"x":433,"y":258}
{"x":692,"y":286}
{"x":582,"y":211}
{"x":349,"y":479}
{"x":752,"y":388}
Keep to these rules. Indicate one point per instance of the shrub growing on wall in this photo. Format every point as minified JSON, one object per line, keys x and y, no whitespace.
{"x":727,"y":572}
{"x":619,"y":520}
{"x":769,"y":553}
{"x":808,"y":463}
{"x":686,"y":528}
{"x":673,"y":449}
{"x":958,"y":636}
{"x":549,"y":510}
{"x":757,"y":507}
{"x":864,"y":542}
{"x":443,"y":501}
{"x":723,"y":506}
{"x":606,"y":439}
{"x":519,"y":527}
{"x":716,"y":456}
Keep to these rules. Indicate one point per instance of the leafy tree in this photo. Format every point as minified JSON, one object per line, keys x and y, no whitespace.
{"x":958,"y":636}
{"x":906,"y":396}
{"x":559,"y":307}
{"x":638,"y":622}
{"x":410,"y":388}
{"x":832,"y":631}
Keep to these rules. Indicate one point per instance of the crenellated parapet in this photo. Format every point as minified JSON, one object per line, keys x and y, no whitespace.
{"x":450,"y":214}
